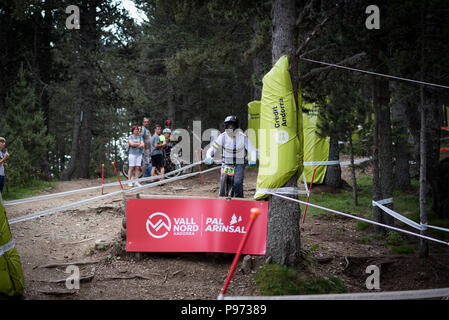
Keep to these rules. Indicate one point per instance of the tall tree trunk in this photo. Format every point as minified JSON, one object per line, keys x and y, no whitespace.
{"x":171,"y":105}
{"x":260,"y":59}
{"x":385,"y":145}
{"x":87,"y":76}
{"x":258,"y":67}
{"x":434,"y":118}
{"x":68,"y":172}
{"x":332,"y":177}
{"x":402,"y":167}
{"x":382,"y":151}
{"x":354,"y":180}
{"x":377,"y":194}
{"x":46,"y":72}
{"x":424,"y":247}
{"x":283,"y":234}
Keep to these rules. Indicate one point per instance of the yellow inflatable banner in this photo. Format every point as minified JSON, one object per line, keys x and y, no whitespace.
{"x":12,"y":282}
{"x":316,"y":148}
{"x":280,"y":140}
{"x":253,"y":122}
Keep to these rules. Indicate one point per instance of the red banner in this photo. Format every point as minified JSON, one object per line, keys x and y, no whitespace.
{"x":194,"y":225}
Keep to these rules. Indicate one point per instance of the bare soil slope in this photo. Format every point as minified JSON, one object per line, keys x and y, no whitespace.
{"x":70,"y":236}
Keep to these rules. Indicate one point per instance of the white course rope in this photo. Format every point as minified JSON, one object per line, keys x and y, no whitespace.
{"x":82,"y":202}
{"x":376,"y":73}
{"x":387,"y":295}
{"x":284,"y":190}
{"x":400,"y":217}
{"x":6,"y":247}
{"x":361,"y":219}
{"x":62,"y":194}
{"x":358,"y":161}
{"x":321,"y":163}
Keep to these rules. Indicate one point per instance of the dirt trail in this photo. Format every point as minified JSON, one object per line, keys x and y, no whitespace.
{"x":70,"y":236}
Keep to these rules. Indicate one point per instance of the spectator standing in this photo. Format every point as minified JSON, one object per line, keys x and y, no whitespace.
{"x":136,"y":145}
{"x":156,"y":152}
{"x":146,"y":135}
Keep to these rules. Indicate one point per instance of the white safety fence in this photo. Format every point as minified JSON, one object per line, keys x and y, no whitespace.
{"x":335,"y":162}
{"x":112,"y":184}
{"x":362,"y":219}
{"x":418,"y":226}
{"x":385,"y":295}
{"x":389,"y":295}
{"x":85,"y":201}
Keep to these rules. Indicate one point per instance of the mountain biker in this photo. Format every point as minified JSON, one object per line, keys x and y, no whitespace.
{"x":234,"y":144}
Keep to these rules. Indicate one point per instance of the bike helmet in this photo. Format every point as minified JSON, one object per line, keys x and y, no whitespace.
{"x":167,"y":123}
{"x":166,"y":130}
{"x":231,"y":119}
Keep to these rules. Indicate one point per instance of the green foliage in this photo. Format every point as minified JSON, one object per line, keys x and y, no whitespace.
{"x":273,"y":279}
{"x":362,"y":225}
{"x":29,"y":189}
{"x":342,"y":111}
{"x":394,"y":238}
{"x":365,"y":239}
{"x":25,"y":132}
{"x":403,"y":249}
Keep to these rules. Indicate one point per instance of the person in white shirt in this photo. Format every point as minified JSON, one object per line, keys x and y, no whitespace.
{"x":234,"y":144}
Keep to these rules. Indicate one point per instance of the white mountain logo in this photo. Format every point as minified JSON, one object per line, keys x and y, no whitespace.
{"x":162,"y":222}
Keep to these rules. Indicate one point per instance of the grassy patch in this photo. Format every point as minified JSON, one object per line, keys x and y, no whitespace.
{"x":394,"y":238}
{"x":273,"y":280}
{"x":362,"y":225}
{"x":406,"y":203}
{"x":402,"y":249}
{"x":365,"y":239}
{"x":343,"y":201}
{"x":32,"y":188}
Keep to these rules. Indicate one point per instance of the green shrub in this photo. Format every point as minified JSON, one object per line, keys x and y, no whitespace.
{"x":403,"y":249}
{"x":394,"y":238}
{"x":365,"y":239}
{"x":273,"y":280}
{"x":362,"y":225}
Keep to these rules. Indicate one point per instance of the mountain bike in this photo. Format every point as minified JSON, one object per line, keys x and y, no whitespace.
{"x":227,"y":181}
{"x":172,"y":163}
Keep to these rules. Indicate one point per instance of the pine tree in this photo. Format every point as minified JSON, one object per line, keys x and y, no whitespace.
{"x":340,"y":115}
{"x":25,"y":132}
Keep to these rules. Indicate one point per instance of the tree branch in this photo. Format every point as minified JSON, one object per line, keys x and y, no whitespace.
{"x":316,"y":30}
{"x":348,"y":61}
{"x":318,"y":49}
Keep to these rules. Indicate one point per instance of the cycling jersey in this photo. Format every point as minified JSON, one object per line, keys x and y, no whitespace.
{"x":233,"y":148}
